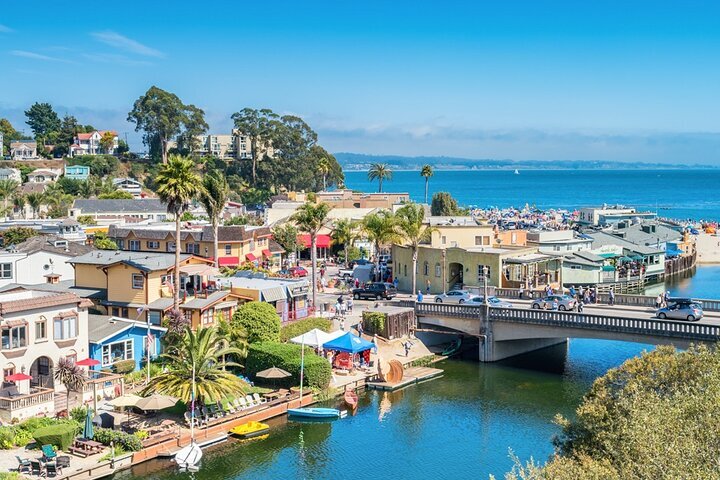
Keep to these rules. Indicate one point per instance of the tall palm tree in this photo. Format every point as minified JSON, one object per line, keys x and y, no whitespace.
{"x":206,"y":349}
{"x":310,"y":218}
{"x":379,"y":172}
{"x":323,"y":167}
{"x":70,"y":375}
{"x":214,"y":197}
{"x":413,"y":231}
{"x":36,"y":200}
{"x":381,"y":229}
{"x":19,"y":203}
{"x":8,"y":189}
{"x":426,"y":172}
{"x":345,"y":232}
{"x":178,"y":184}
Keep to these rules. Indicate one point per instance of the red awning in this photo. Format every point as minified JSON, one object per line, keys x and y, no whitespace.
{"x":250,"y":257}
{"x":18,"y":377}
{"x":322,"y":241}
{"x":267,"y":253}
{"x":228,"y":261}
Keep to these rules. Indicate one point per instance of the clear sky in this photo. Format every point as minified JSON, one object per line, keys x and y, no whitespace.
{"x":612,"y":80}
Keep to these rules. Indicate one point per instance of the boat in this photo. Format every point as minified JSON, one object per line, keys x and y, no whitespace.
{"x":318,"y":412}
{"x":351,"y":398}
{"x":250,"y":429}
{"x":516,"y":172}
{"x":188,"y":457}
{"x":453,"y":348}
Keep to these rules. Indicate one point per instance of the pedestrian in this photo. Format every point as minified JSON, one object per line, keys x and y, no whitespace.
{"x":342,"y":323}
{"x":520,"y":292}
{"x":427,"y":287}
{"x":396,"y":282}
{"x":419,"y":296}
{"x":580,"y":306}
{"x":406,"y":345}
{"x":666,"y":298}
{"x":350,"y":305}
{"x":572,"y":291}
{"x":611,"y":297}
{"x":555,"y":305}
{"x":359,"y":327}
{"x":658,"y":300}
{"x":357,"y":283}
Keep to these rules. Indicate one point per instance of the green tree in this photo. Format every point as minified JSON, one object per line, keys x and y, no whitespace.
{"x":257,"y":125}
{"x":66,"y":134}
{"x":381,"y":229}
{"x":195,"y":125}
{"x":324,"y":169}
{"x":345,"y":232}
{"x":178,"y":184}
{"x":379,"y":172}
{"x":259,"y":320}
{"x":17,"y":235}
{"x":122,"y":147}
{"x":413,"y":231}
{"x":19,"y":202}
{"x":426,"y":173}
{"x":162,"y":116}
{"x":116,"y":195}
{"x":214,"y":196}
{"x":43,"y":121}
{"x":311,"y":218}
{"x":443,"y":204}
{"x":102,"y":242}
{"x":286,"y":235}
{"x":9,"y":134}
{"x":107,"y":142}
{"x":59,"y":205}
{"x":36,"y":200}
{"x":86,"y":220}
{"x":8,"y":190}
{"x":205,"y":352}
{"x":70,"y":375}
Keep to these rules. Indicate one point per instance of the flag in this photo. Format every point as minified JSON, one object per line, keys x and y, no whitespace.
{"x":151,"y":344}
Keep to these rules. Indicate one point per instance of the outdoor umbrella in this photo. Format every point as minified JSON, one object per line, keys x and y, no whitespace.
{"x":349,"y":343}
{"x":88,"y":362}
{"x":127,"y":400}
{"x":88,"y":431}
{"x":273,"y":372}
{"x":156,"y":402}
{"x":18,"y":377}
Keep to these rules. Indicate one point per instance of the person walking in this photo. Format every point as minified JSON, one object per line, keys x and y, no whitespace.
{"x":580,"y":305}
{"x":407,"y":346}
{"x":520,"y":292}
{"x":359,"y":328}
{"x":611,"y":297}
{"x":396,"y":282}
{"x":350,"y":305}
{"x":427,"y":287}
{"x":420,"y":296}
{"x":658,"y":301}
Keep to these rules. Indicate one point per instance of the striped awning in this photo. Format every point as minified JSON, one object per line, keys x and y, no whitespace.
{"x":250,"y":257}
{"x":273,"y":294}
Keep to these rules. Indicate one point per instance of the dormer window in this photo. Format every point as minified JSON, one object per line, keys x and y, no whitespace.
{"x":60,"y":243}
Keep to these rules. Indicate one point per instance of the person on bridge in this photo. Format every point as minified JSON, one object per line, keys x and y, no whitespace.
{"x":611,"y":297}
{"x":580,"y":305}
{"x":419,"y":296}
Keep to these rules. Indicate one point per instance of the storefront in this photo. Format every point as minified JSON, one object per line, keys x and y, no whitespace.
{"x":299,"y":307}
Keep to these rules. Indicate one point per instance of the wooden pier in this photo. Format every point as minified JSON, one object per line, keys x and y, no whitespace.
{"x":411,"y":376}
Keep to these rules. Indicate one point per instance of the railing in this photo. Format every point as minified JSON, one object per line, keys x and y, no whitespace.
{"x":462,"y":311}
{"x":42,"y":395}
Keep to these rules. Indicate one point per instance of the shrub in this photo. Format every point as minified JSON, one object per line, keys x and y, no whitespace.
{"x":260,"y":321}
{"x":124,"y":366}
{"x":60,"y":435}
{"x":79,"y":414}
{"x":129,"y":443}
{"x":7,"y":437}
{"x":294,"y":329}
{"x":287,"y":356}
{"x":10,"y":476}
{"x":374,"y":322}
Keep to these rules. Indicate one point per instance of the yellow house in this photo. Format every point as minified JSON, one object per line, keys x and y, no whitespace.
{"x":463,"y":232}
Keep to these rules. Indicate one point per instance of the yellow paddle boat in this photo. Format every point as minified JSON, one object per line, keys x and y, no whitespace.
{"x":250,"y":429}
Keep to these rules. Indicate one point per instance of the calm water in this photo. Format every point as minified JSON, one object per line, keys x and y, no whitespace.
{"x":674,"y":193}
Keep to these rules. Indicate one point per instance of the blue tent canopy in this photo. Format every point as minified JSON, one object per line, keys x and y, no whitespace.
{"x":348,"y":343}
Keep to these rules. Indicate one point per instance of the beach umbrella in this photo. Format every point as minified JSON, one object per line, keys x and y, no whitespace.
{"x":88,"y":431}
{"x":273,"y":372}
{"x":156,"y":401}
{"x":127,"y":400}
{"x":88,"y":362}
{"x":18,"y":377}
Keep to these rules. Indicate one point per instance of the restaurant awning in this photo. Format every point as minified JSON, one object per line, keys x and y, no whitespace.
{"x":267,"y":253}
{"x":608,"y":268}
{"x":250,"y":257}
{"x":273,"y":294}
{"x":228,"y":261}
{"x":637,"y":257}
{"x":322,"y":241}
{"x":625,"y":259}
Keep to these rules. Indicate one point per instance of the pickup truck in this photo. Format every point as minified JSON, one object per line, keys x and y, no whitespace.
{"x":345,"y":273}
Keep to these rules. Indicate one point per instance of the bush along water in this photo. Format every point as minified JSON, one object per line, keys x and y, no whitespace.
{"x":287,"y":356}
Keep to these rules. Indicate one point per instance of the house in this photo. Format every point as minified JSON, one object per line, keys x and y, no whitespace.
{"x":40,"y":259}
{"x":67,"y":229}
{"x":559,"y":241}
{"x":114,"y":339}
{"x":608,"y":215}
{"x":77,"y":172}
{"x":233,"y":146}
{"x":89,"y":143}
{"x":587,"y":268}
{"x":652,"y":258}
{"x":129,"y":211}
{"x":352,"y":199}
{"x":43,"y":175}
{"x":10,"y":174}
{"x":38,"y":329}
{"x":288,"y":296}
{"x":23,"y":150}
{"x":460,"y":231}
{"x":129,"y":185}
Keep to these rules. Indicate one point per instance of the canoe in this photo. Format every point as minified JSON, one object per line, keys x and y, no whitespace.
{"x":351,"y":399}
{"x":250,"y":429}
{"x":314,"y":412}
{"x":453,"y":348}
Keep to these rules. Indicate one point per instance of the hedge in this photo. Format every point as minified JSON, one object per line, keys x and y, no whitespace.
{"x":124,"y":366}
{"x":260,"y":321}
{"x":61,"y":436}
{"x":287,"y":356}
{"x":130,"y":443}
{"x":295,"y":329}
{"x":374,"y":322}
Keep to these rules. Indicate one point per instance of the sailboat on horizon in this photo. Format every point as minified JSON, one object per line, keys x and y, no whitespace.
{"x":516,"y":172}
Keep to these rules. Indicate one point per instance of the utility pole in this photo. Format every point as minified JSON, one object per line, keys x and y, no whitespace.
{"x":485,"y":285}
{"x":444,"y":276}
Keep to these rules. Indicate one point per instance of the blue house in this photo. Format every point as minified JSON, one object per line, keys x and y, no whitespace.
{"x":77,"y":172}
{"x":113,"y":339}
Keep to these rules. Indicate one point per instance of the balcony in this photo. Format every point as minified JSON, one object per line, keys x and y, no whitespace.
{"x":22,"y":406}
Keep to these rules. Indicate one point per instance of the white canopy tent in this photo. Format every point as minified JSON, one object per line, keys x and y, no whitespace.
{"x":316,"y":337}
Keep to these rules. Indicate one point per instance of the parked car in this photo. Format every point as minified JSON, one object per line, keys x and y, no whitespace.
{"x":359,"y":261}
{"x":375,"y":290}
{"x":564,"y":302}
{"x":493,"y":301}
{"x":685,"y":309}
{"x":297,"y":272}
{"x":454,"y":296}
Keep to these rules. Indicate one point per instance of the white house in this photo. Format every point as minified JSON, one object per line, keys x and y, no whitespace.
{"x":129,"y":185}
{"x":89,"y":143}
{"x":559,"y":241}
{"x":10,"y":174}
{"x":23,"y":149}
{"x":43,"y":175}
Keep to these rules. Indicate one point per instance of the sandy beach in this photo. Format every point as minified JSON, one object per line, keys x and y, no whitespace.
{"x":708,"y":248}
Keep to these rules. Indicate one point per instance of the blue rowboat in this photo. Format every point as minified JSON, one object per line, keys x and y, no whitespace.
{"x":314,"y":412}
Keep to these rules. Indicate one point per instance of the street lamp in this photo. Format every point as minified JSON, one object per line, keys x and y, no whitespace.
{"x":485,"y":284}
{"x":444,"y":276}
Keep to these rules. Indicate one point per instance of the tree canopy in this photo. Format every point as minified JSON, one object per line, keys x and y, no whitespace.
{"x":443,"y":204}
{"x":43,"y":121}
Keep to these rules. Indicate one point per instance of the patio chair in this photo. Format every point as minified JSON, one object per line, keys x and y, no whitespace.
{"x":212,"y":411}
{"x":23,"y":464}
{"x":230,"y":408}
{"x":238,"y":405}
{"x":259,"y":399}
{"x":250,"y":400}
{"x":48,"y":452}
{"x":63,"y":461}
{"x":243,"y":403}
{"x":221,"y":409}
{"x":36,"y":468}
{"x":188,"y":419}
{"x":51,"y":469}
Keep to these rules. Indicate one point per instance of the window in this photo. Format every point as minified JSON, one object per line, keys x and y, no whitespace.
{"x":575,"y":267}
{"x":405,"y":270}
{"x":154,"y":317}
{"x":208,"y":316}
{"x":14,"y":337}
{"x":438,"y":270}
{"x":43,"y":367}
{"x":134,"y":245}
{"x":478,"y":240}
{"x":513,"y":238}
{"x":6,"y":270}
{"x":138,"y":281}
{"x":480,"y":272}
{"x":167,"y":280}
{"x":41,"y":329}
{"x":120,"y":244}
{"x":443,"y":240}
{"x":72,"y":358}
{"x":116,"y":352}
{"x":154,"y":245}
{"x":8,"y":371}
{"x":556,"y":248}
{"x":170,"y":247}
{"x":64,"y":328}
{"x":228,"y":249}
{"x":193,"y":248}
{"x":426,"y":269}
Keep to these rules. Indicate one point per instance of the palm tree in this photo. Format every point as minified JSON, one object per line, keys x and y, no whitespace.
{"x":310,"y":218}
{"x":8,"y":189}
{"x":70,"y":375}
{"x":413,"y":231}
{"x":177,"y":185}
{"x":345,"y":232}
{"x":427,"y":172}
{"x":381,"y":229}
{"x":379,"y":172}
{"x":36,"y":200}
{"x":323,"y":167}
{"x":206,"y":349}
{"x":214,"y":197}
{"x":19,"y":203}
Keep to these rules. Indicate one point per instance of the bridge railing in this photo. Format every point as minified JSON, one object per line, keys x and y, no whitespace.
{"x":450,"y":310}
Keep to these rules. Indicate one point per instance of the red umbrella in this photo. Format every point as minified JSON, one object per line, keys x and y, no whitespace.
{"x":16,"y":377}
{"x":88,"y":362}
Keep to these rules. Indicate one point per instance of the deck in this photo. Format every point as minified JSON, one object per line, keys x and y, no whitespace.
{"x":411,"y":376}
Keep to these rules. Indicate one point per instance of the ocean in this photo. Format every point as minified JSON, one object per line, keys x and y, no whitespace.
{"x":679,"y":194}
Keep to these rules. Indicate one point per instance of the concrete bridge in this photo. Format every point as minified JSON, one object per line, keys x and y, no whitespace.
{"x":506,"y":332}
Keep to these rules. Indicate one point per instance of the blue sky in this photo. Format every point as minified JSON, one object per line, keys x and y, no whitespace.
{"x":627,"y":81}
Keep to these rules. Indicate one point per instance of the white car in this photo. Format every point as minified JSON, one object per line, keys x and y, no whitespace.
{"x":454,"y":296}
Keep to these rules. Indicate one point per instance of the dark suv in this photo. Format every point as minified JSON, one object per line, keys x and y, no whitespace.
{"x":375,"y":290}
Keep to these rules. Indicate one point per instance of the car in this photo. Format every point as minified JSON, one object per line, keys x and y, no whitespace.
{"x":454,"y":296}
{"x":492,"y":301}
{"x":297,"y":272}
{"x":564,"y":302}
{"x":681,"y":310}
{"x":359,"y":261}
{"x":376,"y":290}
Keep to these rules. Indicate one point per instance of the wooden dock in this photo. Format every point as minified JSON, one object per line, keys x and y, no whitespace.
{"x":411,"y":376}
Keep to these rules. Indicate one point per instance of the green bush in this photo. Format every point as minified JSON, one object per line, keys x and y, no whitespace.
{"x":79,"y":414}
{"x":124,"y":366}
{"x":60,"y":435}
{"x":7,"y":437}
{"x":295,"y":329}
{"x":10,"y":476}
{"x":287,"y":356}
{"x":374,"y":322}
{"x":129,"y":443}
{"x":260,"y":321}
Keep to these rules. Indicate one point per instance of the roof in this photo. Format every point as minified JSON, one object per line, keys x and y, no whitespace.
{"x":85,"y":136}
{"x":161,"y":304}
{"x":199,"y":303}
{"x":32,"y":187}
{"x":275,"y":247}
{"x":46,"y":243}
{"x":67,"y":286}
{"x":529,"y":258}
{"x":21,"y":299}
{"x":226,"y":234}
{"x":42,"y":171}
{"x":148,"y":261}
{"x":636,"y":234}
{"x":455,"y":221}
{"x":141,"y":205}
{"x":104,"y":327}
{"x":602,"y":238}
{"x":589,"y":256}
{"x":574,"y":259}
